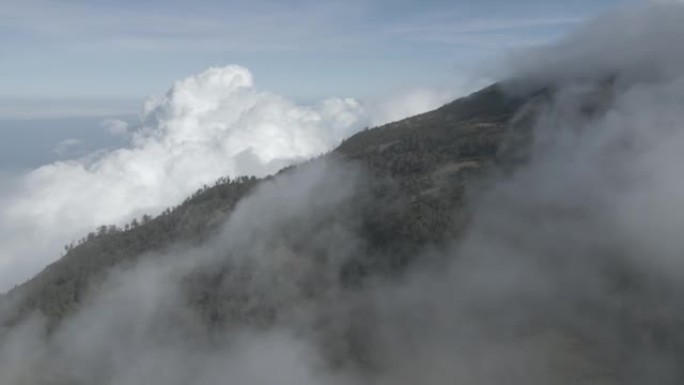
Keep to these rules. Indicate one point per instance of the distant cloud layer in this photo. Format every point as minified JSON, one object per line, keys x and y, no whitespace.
{"x":213,"y":124}
{"x":12,"y":108}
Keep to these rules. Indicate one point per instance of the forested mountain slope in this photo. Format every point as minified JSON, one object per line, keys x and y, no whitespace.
{"x":419,"y":168}
{"x":430,"y":250}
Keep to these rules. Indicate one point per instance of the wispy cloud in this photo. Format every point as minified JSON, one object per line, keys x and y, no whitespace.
{"x":226,"y":26}
{"x":487,"y":32}
{"x":258,"y":26}
{"x":133,"y":48}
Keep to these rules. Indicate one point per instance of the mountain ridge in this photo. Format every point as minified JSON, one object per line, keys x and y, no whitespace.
{"x":472,"y":126}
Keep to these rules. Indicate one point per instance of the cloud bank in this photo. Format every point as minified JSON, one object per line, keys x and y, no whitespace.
{"x":213,"y":124}
{"x":634,"y":43}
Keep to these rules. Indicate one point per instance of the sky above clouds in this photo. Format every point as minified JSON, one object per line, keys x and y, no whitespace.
{"x":305,"y":49}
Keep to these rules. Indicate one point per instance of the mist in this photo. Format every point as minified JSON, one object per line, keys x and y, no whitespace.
{"x":162,"y":339}
{"x":569,"y":270}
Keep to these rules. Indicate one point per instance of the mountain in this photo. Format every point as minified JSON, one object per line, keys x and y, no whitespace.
{"x":420,"y":165}
{"x":331,"y":250}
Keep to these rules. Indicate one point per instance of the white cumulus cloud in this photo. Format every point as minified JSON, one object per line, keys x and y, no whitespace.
{"x":216,"y":123}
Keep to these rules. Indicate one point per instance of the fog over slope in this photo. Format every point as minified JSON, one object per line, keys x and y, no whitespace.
{"x":569,"y":271}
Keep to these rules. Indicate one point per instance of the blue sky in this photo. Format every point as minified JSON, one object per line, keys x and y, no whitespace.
{"x":124,"y":50}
